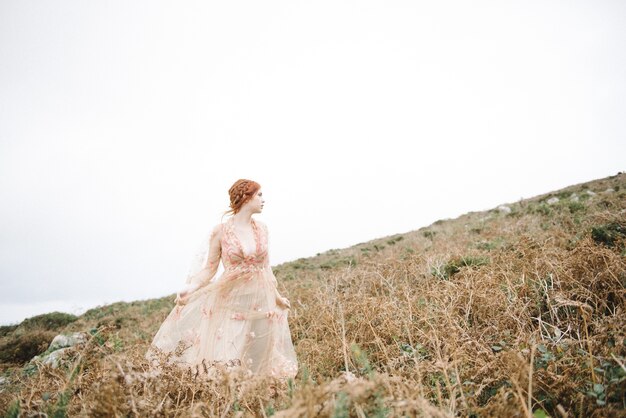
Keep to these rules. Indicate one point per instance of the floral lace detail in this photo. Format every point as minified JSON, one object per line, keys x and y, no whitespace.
{"x":176,"y":312}
{"x":233,"y":255}
{"x":192,"y":337}
{"x":244,"y":267}
{"x":206,"y":313}
{"x":238,"y":316}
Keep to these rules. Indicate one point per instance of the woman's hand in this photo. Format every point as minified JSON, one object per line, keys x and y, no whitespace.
{"x":181,"y":297}
{"x":282,"y":301}
{"x":179,"y":300}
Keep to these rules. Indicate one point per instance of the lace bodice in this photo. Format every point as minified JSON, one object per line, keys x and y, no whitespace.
{"x":232,"y":252}
{"x":226,"y":246}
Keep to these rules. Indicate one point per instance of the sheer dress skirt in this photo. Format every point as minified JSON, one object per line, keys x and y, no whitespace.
{"x":233,"y":321}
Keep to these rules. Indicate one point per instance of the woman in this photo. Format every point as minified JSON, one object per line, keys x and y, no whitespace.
{"x":240,"y":318}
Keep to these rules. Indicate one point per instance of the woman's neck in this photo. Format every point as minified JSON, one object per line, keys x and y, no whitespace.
{"x":243,"y":218}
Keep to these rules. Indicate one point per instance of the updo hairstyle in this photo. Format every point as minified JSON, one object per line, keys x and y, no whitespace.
{"x":240,"y":192}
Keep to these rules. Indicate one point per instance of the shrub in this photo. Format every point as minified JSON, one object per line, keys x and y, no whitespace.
{"x":429,"y":234}
{"x":539,"y":209}
{"x":490,"y":245}
{"x":22,"y":348}
{"x":14,"y":409}
{"x":453,"y":266}
{"x":49,"y":321}
{"x":392,"y":241}
{"x":575,"y":207}
{"x":608,"y":234}
{"x":7,"y":329}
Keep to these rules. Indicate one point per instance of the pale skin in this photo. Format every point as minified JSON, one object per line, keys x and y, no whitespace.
{"x":242,"y":222}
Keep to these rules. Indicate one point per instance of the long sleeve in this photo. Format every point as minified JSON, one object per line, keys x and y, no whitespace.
{"x":212,"y":261}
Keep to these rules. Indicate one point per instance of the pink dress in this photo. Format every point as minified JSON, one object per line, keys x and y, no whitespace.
{"x":234,"y":320}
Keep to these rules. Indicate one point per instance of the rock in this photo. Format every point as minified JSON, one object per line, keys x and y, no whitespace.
{"x":61,"y":341}
{"x":574,"y":198}
{"x":54,"y":358}
{"x":590,"y":193}
{"x":3,"y":380}
{"x":609,"y":190}
{"x":552,"y":200}
{"x":58,"y":347}
{"x":504,"y":209}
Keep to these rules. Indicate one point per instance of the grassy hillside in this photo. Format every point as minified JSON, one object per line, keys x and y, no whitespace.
{"x":515,"y":311}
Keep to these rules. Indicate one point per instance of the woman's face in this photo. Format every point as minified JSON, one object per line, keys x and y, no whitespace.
{"x":256,"y":202}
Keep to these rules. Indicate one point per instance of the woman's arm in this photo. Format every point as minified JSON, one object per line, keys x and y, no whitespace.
{"x":204,"y":276}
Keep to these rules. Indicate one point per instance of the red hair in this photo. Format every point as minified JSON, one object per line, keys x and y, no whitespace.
{"x":240,"y":192}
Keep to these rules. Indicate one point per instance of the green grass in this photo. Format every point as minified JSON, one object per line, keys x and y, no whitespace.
{"x":490,"y":245}
{"x":454,"y":265}
{"x":608,"y":234}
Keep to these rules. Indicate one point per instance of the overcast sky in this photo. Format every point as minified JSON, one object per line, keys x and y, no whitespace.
{"x":124,"y":123}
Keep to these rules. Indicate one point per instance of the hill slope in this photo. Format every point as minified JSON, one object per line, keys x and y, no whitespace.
{"x":514,"y":310}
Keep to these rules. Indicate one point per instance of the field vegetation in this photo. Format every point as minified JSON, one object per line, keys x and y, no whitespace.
{"x":516,"y":311}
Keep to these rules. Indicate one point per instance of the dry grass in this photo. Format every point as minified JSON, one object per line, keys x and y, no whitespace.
{"x":528,"y":316}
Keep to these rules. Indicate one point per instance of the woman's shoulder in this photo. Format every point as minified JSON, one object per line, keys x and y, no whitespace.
{"x":261,"y":224}
{"x":218,"y":230}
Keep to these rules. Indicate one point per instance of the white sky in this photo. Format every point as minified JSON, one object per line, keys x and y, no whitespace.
{"x":123,"y":124}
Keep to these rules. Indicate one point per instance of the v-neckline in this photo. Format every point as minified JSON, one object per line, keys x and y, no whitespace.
{"x":254,"y":235}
